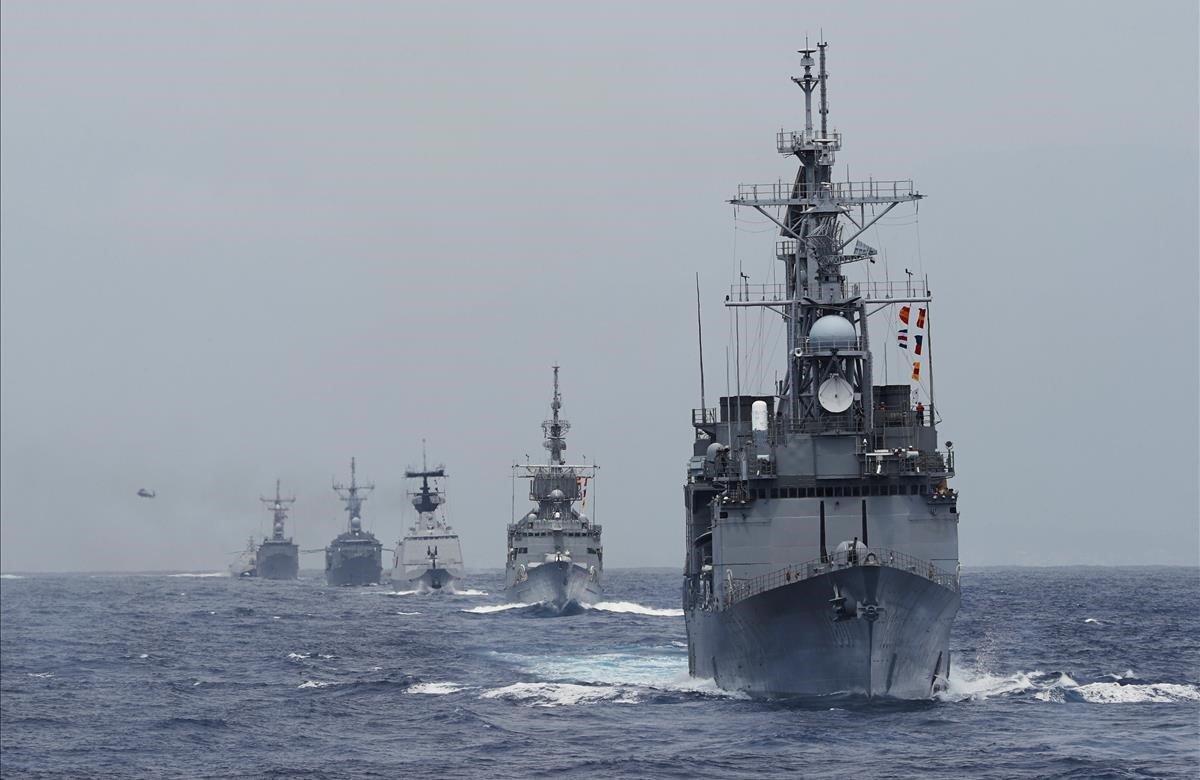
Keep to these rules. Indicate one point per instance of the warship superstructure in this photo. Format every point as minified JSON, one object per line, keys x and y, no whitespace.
{"x":354,"y":557}
{"x":429,"y":557}
{"x":278,"y":558}
{"x":554,"y":553}
{"x":821,"y":533}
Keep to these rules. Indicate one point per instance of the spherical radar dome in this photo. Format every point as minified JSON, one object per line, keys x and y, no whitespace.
{"x":832,"y":332}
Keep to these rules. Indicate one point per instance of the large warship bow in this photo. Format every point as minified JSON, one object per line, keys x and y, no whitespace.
{"x":354,"y":557}
{"x":554,"y":553}
{"x":822,"y":538}
{"x":278,"y":558}
{"x":429,"y":557}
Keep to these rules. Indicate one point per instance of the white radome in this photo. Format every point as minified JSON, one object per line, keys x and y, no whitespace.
{"x":832,"y":332}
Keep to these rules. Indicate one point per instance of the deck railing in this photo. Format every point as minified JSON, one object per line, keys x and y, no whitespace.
{"x":740,"y":589}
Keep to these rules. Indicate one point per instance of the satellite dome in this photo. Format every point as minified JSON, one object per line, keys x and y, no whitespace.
{"x":832,"y":332}
{"x":557,"y":494}
{"x":583,"y":518}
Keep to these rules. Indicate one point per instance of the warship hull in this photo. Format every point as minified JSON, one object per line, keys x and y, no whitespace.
{"x":435,"y":581}
{"x":560,"y":586}
{"x":864,"y":630}
{"x":357,"y":567}
{"x":278,"y":561}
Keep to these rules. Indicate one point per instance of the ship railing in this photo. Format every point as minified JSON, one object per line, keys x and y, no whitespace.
{"x":704,"y":417}
{"x":792,"y":141}
{"x":908,"y":462}
{"x":780,"y":193}
{"x":773,"y":294}
{"x":912,"y":289}
{"x":842,"y":423}
{"x":740,"y":589}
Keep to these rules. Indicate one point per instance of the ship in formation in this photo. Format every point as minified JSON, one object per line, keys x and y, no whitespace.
{"x":245,"y":565}
{"x":429,"y":557}
{"x":354,"y":557}
{"x":554,"y":554}
{"x":821,"y":533}
{"x":278,"y":557}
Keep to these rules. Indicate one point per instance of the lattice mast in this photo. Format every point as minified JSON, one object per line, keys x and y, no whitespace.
{"x":352,"y":496}
{"x":555,"y":429}
{"x":279,"y":506}
{"x":809,"y":213}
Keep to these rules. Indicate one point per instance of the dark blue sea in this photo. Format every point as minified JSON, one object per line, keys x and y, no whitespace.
{"x":1071,"y":672}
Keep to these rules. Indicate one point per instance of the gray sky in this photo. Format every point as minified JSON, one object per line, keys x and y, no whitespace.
{"x":248,"y":240}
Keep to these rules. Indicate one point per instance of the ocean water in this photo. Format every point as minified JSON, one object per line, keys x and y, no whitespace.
{"x":1071,"y":672}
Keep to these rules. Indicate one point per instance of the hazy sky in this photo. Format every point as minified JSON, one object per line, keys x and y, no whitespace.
{"x":249,"y":240}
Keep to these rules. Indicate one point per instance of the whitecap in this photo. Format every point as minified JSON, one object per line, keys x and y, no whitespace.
{"x":490,"y":608}
{"x":1115,"y":693}
{"x":314,"y":684}
{"x":408,"y":613}
{"x":561,"y":694}
{"x":201,"y":574}
{"x":392,"y":592}
{"x":298,"y":656}
{"x":11,"y":577}
{"x":40,"y":675}
{"x":470,"y":592}
{"x":1093,"y":621}
{"x":635,"y":609}
{"x":435,"y":689}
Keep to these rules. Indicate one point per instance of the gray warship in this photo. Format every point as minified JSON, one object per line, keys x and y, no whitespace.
{"x":821,"y":533}
{"x":554,"y":553}
{"x":429,"y":557}
{"x":354,"y":557}
{"x":278,"y":558}
{"x":244,"y":565}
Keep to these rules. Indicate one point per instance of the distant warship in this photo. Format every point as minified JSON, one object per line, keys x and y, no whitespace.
{"x":429,"y":558}
{"x":356,"y":556}
{"x":554,"y":553}
{"x":278,"y":558}
{"x":246,"y":562}
{"x":821,"y":534}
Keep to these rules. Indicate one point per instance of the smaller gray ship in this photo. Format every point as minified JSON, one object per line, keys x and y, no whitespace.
{"x":244,"y":565}
{"x":429,"y":557}
{"x":278,"y":557}
{"x":356,"y":556}
{"x":554,"y":553}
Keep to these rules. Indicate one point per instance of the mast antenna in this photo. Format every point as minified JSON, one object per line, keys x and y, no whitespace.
{"x":700,"y":339}
{"x":822,"y":76}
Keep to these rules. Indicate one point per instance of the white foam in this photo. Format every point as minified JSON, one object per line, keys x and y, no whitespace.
{"x":11,"y":577}
{"x":1093,"y":620}
{"x":969,"y":685}
{"x":541,"y":694}
{"x":435,"y":689}
{"x":298,"y":656}
{"x":201,"y":574}
{"x":636,"y":609}
{"x":491,"y":608}
{"x":408,"y":613}
{"x":470,"y":592}
{"x":40,"y":675}
{"x":393,"y":592}
{"x":314,"y":684}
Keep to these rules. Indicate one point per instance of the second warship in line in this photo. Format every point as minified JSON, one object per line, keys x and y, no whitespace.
{"x":354,"y":557}
{"x":554,"y":553}
{"x":821,"y":535}
{"x":429,"y":557}
{"x":278,"y":558}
